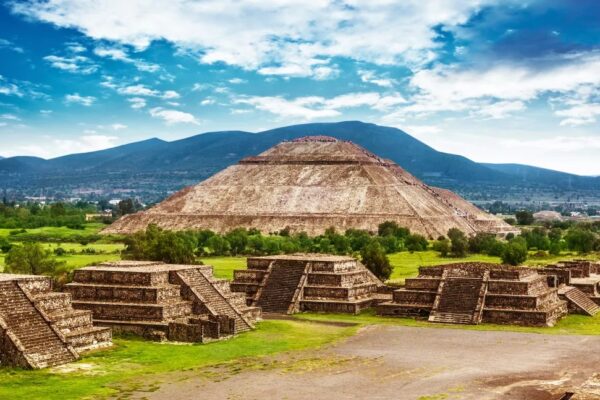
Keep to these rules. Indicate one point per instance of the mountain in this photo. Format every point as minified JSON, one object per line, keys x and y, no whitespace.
{"x":153,"y":167}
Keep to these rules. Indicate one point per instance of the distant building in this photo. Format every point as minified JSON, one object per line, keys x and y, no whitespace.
{"x":547,"y":215}
{"x":114,"y":202}
{"x":97,"y":216}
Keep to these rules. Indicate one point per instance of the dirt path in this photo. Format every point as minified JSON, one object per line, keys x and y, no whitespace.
{"x":388,"y":362}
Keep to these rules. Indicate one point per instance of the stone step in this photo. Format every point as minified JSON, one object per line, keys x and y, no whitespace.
{"x":582,"y":301}
{"x":451,"y":318}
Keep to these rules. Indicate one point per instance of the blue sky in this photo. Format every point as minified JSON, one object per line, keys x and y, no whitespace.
{"x":496,"y":81}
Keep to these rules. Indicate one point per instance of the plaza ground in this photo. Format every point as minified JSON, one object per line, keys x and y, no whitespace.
{"x":394,"y":362}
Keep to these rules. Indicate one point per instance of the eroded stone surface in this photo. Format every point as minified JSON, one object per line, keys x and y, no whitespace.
{"x":311,"y":184}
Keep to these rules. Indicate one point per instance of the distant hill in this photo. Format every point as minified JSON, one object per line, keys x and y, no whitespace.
{"x":154,"y":167}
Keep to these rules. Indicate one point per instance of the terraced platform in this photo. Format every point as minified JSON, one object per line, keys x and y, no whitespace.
{"x":308,"y":282}
{"x":162,"y":301}
{"x":471,"y":293}
{"x":39,"y":328}
{"x":579,"y":283}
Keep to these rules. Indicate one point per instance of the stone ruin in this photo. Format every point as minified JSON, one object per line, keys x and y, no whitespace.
{"x":160,"y":301}
{"x":308,"y":282}
{"x":39,"y":328}
{"x":578,"y":283}
{"x":472,"y":293}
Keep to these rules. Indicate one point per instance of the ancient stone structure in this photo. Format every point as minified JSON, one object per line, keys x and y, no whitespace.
{"x":39,"y":328}
{"x":578,"y":282}
{"x":308,"y":282}
{"x":471,"y":293}
{"x":311,"y":184}
{"x":162,"y":301}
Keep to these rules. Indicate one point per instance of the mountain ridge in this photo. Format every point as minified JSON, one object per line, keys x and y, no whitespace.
{"x":185,"y":161}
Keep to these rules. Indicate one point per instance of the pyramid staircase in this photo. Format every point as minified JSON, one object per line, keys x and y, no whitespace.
{"x":40,"y":327}
{"x":282,"y":287}
{"x":308,"y":282}
{"x":472,"y":293}
{"x":580,"y":300}
{"x":459,"y":300}
{"x":162,"y":301}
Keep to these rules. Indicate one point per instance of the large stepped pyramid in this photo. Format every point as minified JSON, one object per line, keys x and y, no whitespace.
{"x":162,"y":301}
{"x":308,"y":282}
{"x":471,"y":293}
{"x":39,"y":328}
{"x":309,"y":185}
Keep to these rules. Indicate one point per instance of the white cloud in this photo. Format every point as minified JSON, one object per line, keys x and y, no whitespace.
{"x":120,"y":54}
{"x":137,"y":102}
{"x":237,"y":81}
{"x":207,"y":102}
{"x":170,"y":94}
{"x":117,"y":126}
{"x":78,"y":99}
{"x":301,"y":38}
{"x":173,"y":116}
{"x":314,"y":107}
{"x":54,"y":147}
{"x":10,"y":117}
{"x":372,"y":77}
{"x":503,"y":89}
{"x":46,"y":112}
{"x":76,"y":64}
{"x":7,"y":44}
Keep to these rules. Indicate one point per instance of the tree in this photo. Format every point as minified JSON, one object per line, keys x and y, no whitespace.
{"x":374,"y":258}
{"x":580,"y":240}
{"x":391,"y":228}
{"x":416,"y":242}
{"x":443,"y":246}
{"x":515,"y":251}
{"x":458,"y":242}
{"x":5,"y":245}
{"x":238,"y":240}
{"x":155,"y":244}
{"x":524,"y":217}
{"x":31,"y":258}
{"x":126,"y":206}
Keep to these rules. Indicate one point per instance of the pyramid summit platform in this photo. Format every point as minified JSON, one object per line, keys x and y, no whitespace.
{"x":311,"y":184}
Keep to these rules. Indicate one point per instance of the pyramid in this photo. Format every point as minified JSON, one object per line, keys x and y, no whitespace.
{"x":311,"y":184}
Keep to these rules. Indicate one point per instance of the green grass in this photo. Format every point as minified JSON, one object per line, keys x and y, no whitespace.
{"x":224,"y":266}
{"x":570,"y":325}
{"x":106,"y":252}
{"x":57,"y":231}
{"x":406,"y":264}
{"x":134,"y":362}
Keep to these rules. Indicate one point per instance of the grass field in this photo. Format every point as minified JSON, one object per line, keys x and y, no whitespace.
{"x":104,"y":252}
{"x":61,"y":232}
{"x":136,"y":364}
{"x":570,"y":325}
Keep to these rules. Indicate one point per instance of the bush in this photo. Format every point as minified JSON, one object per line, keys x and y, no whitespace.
{"x":31,"y":258}
{"x":59,"y":251}
{"x":442,"y":246}
{"x":458,"y":243}
{"x":155,"y":244}
{"x":524,"y":217}
{"x":374,"y":258}
{"x":515,"y":251}
{"x":580,"y":240}
{"x":416,"y":242}
{"x":5,"y":245}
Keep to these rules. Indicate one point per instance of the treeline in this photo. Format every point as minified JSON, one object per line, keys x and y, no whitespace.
{"x":33,"y":215}
{"x":156,"y":242}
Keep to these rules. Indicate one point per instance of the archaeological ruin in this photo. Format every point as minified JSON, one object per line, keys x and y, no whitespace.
{"x":160,"y":301}
{"x":308,"y":282}
{"x":39,"y":328}
{"x":472,"y":293}
{"x":578,"y":282}
{"x":311,"y":184}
